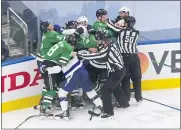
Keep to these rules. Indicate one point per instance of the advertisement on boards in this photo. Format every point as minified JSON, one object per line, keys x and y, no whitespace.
{"x":160,"y":65}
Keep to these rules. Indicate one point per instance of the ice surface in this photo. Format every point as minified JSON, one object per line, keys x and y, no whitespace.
{"x":147,"y":115}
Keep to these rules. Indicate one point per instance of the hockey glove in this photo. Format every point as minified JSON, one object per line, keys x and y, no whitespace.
{"x":90,"y":30}
{"x":78,"y":32}
{"x":43,"y":69}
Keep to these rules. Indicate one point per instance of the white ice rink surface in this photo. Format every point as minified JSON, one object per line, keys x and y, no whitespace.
{"x":147,"y":115}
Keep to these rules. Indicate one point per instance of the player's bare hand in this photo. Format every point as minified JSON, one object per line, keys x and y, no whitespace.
{"x":93,"y":50}
{"x":74,"y":54}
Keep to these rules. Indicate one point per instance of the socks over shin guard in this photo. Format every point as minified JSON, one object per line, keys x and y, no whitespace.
{"x":95,"y":98}
{"x":64,"y":104}
{"x":63,"y":99}
{"x":48,"y":98}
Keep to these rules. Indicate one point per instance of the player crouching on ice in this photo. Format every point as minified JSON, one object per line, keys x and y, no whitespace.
{"x":74,"y":72}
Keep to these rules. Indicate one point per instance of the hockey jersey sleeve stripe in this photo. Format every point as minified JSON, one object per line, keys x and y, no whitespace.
{"x":68,"y":31}
{"x":64,"y":58}
{"x":112,"y":26}
{"x":63,"y":62}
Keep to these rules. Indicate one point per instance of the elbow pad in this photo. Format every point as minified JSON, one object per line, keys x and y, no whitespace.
{"x":68,"y":31}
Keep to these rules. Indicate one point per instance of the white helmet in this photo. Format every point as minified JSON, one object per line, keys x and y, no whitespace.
{"x":82,"y":19}
{"x":125,"y":9}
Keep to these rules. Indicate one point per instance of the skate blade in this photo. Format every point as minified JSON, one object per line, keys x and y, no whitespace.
{"x":77,"y":108}
{"x":59,"y":118}
{"x":43,"y":117}
{"x":107,"y":119}
{"x":66,"y":118}
{"x":46,"y":118}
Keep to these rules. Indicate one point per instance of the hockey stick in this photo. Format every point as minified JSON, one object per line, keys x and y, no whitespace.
{"x":165,"y":64}
{"x":161,"y":104}
{"x":91,"y":114}
{"x":37,"y":58}
{"x":26,"y":120}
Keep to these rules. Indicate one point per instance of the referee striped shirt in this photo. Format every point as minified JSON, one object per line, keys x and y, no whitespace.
{"x":98,"y":63}
{"x":110,"y":55}
{"x":126,"y":38}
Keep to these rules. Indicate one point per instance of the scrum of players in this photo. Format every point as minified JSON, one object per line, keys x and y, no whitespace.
{"x":68,"y":78}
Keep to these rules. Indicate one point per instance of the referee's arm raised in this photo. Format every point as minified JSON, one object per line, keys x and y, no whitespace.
{"x":112,"y":26}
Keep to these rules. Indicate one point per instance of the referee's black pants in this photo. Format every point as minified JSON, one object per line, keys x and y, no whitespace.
{"x":133,"y":72}
{"x":96,"y":72}
{"x":112,"y":86}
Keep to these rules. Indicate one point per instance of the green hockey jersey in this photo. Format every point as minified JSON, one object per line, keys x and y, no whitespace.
{"x":86,"y":42}
{"x":61,"y":53}
{"x":48,"y":40}
{"x":100,"y":26}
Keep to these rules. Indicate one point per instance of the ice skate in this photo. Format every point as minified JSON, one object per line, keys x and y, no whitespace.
{"x":45,"y":112}
{"x":96,"y":113}
{"x":77,"y":104}
{"x":107,"y":115}
{"x":64,"y":115}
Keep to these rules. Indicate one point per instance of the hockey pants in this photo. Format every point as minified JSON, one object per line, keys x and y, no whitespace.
{"x":51,"y":83}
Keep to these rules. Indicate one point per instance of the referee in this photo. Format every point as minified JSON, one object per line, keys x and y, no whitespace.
{"x":111,"y":55}
{"x":127,"y":41}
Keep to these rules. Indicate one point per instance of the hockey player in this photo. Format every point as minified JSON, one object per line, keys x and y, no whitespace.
{"x":65,"y":31}
{"x":49,"y":38}
{"x":85,"y":40}
{"x":83,"y":35}
{"x":83,"y":23}
{"x":77,"y":94}
{"x":58,"y":28}
{"x":123,"y":12}
{"x":75,"y":73}
{"x":100,"y":24}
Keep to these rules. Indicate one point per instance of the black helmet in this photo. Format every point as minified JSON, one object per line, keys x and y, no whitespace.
{"x":101,"y":36}
{"x":130,"y":20}
{"x":100,"y":12}
{"x":44,"y":26}
{"x":71,"y":24}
